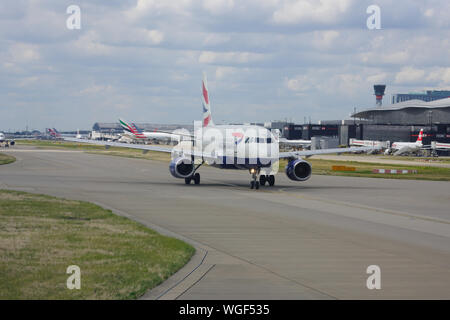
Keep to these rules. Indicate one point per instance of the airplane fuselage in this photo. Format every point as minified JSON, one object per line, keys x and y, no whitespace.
{"x":234,"y":146}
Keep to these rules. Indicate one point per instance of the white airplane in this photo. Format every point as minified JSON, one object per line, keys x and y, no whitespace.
{"x":6,"y":141}
{"x":406,"y":147}
{"x":370,"y":143}
{"x":295,"y":142}
{"x":240,"y":147}
{"x":134,"y":133}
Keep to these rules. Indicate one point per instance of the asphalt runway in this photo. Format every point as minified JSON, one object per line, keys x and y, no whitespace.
{"x":297,"y":240}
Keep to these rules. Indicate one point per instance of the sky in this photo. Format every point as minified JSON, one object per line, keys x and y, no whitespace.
{"x":266,"y":60}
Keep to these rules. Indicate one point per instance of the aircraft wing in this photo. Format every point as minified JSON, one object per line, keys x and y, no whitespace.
{"x":307,"y":153}
{"x":176,"y":133}
{"x":186,"y":152}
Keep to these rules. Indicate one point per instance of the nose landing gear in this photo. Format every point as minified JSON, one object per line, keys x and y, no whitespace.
{"x":254,"y":184}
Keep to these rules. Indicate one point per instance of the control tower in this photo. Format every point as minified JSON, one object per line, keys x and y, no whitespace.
{"x":379,"y":93}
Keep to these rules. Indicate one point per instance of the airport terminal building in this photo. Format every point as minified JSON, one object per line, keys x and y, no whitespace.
{"x":429,"y":95}
{"x":403,"y":121}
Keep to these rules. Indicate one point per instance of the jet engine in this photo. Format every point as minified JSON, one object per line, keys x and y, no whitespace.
{"x":181,"y":167}
{"x":298,"y":170}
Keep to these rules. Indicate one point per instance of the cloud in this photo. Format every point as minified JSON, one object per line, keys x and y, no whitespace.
{"x":377,"y":78}
{"x":222,"y":72}
{"x":143,"y":59}
{"x":23,"y":53}
{"x":146,"y":8}
{"x":325,"y":39}
{"x":439,"y":76}
{"x":210,"y":57}
{"x":218,"y":6}
{"x":409,"y":75}
{"x":307,"y":11}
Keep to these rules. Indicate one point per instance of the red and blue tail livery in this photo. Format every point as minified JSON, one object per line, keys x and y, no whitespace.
{"x":207,"y":119}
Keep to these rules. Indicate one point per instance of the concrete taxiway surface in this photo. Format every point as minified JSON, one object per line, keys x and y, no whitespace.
{"x":310,"y":240}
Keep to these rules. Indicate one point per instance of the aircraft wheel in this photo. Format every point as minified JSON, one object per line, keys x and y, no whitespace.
{"x":197,"y":178}
{"x":256,"y":185}
{"x":271,"y":180}
{"x":262,"y":180}
{"x":252,"y":184}
{"x":187,"y":180}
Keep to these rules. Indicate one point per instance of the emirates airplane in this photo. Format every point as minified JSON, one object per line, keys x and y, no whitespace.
{"x":239,"y":147}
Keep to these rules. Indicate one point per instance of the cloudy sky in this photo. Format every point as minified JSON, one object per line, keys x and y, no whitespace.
{"x":265,"y":59}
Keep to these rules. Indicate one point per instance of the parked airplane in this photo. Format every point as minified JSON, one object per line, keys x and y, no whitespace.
{"x":370,"y":143}
{"x":407,"y":147}
{"x":53,"y":133}
{"x":246,"y":147}
{"x":132,"y":131}
{"x":6,"y":141}
{"x":292,"y":143}
{"x":295,"y":142}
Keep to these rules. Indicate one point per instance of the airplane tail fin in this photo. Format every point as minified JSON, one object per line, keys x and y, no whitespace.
{"x":52,"y":132}
{"x":131,"y":128}
{"x":419,"y":139}
{"x":207,"y":118}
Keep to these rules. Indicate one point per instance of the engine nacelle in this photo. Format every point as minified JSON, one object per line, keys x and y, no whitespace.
{"x":298,"y":170}
{"x":181,"y":167}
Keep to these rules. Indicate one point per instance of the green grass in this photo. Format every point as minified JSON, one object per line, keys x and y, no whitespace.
{"x":40,"y":236}
{"x":365,"y":169}
{"x":441,"y":159}
{"x":5,"y":159}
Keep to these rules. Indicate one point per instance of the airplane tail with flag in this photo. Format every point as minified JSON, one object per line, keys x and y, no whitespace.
{"x":419,"y":139}
{"x":131,"y":129}
{"x":207,"y":118}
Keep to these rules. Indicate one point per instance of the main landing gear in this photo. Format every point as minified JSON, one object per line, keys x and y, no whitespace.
{"x":270,"y":179}
{"x":263,"y":179}
{"x":195,"y":176}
